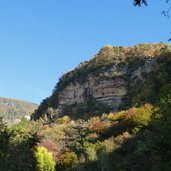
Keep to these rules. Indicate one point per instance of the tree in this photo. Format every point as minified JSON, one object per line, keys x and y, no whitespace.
{"x":5,"y":136}
{"x":45,"y":160}
{"x":144,"y":2}
{"x":140,"y":2}
{"x":76,"y":138}
{"x":67,"y":161}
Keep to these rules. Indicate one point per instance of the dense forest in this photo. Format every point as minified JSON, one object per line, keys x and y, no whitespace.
{"x":12,"y":109}
{"x":136,"y":137}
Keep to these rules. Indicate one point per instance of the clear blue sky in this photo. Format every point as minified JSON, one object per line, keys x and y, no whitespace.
{"x":41,"y":39}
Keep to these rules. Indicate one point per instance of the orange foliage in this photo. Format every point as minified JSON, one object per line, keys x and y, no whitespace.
{"x":99,"y":126}
{"x":131,"y":113}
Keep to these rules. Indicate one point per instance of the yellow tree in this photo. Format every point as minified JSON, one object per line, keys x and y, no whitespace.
{"x":45,"y":159}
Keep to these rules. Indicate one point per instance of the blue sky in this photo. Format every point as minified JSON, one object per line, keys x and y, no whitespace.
{"x":42,"y":39}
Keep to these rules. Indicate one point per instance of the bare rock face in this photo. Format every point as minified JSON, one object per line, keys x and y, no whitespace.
{"x":109,"y":87}
{"x":114,"y":77}
{"x":109,"y":92}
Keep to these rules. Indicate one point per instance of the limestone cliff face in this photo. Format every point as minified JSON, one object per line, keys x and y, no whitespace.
{"x":114,"y":78}
{"x":109,"y":87}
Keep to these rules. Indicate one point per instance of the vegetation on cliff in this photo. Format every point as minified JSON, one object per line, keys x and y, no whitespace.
{"x":107,"y":57}
{"x":130,"y":57}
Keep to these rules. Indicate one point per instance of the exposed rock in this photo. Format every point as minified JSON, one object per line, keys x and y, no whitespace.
{"x":109,"y":78}
{"x":27,"y":117}
{"x":16,"y":121}
{"x":108,"y":88}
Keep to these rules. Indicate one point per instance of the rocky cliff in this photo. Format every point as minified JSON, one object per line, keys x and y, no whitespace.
{"x":112,"y":78}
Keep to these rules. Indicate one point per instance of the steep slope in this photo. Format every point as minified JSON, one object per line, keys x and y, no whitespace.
{"x":11,"y":109}
{"x":137,"y":138}
{"x":112,"y":80}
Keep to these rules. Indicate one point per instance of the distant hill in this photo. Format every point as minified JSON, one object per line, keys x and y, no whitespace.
{"x":11,"y":109}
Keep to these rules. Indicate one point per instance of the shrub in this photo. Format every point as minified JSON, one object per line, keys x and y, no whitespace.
{"x":91,"y":151}
{"x":63,"y":120}
{"x":67,"y":160}
{"x":140,"y":117}
{"x":99,"y":126}
{"x":116,"y":116}
{"x":109,"y":145}
{"x":143,"y":118}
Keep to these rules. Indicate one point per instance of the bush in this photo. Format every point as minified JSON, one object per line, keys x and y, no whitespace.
{"x":99,"y":126}
{"x":116,"y":116}
{"x":140,"y":117}
{"x":67,"y":160}
{"x":143,"y":118}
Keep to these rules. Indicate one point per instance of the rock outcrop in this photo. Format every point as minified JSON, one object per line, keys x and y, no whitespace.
{"x":109,"y":87}
{"x":110,"y":78}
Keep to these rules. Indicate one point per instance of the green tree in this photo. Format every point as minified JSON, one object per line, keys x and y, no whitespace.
{"x":5,"y":136}
{"x":76,"y":138}
{"x":67,"y":161}
{"x":45,"y":159}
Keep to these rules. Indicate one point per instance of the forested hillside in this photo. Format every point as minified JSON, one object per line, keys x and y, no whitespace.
{"x":11,"y":109}
{"x":93,"y":135}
